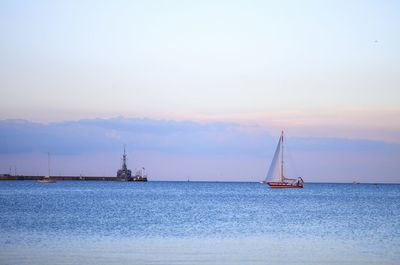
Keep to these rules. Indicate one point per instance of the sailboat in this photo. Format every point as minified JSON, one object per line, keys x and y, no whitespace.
{"x":275,"y":177}
{"x":47,"y":178}
{"x":140,"y":175}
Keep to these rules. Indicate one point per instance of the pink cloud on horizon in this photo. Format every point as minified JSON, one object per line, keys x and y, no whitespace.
{"x":354,"y":123}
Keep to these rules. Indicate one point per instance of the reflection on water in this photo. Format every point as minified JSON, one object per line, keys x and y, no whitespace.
{"x":197,"y":223}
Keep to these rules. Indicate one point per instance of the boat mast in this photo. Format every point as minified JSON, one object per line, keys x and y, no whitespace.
{"x":48,"y":164}
{"x":282,"y":177}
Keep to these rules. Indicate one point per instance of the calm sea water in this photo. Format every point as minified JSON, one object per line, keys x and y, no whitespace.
{"x":73,"y":222}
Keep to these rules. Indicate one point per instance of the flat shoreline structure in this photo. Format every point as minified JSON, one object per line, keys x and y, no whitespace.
{"x":123,"y":174}
{"x":102,"y":178}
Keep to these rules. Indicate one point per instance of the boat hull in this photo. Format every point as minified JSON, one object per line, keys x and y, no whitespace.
{"x":142,"y":179}
{"x":284,"y":185}
{"x":46,"y":180}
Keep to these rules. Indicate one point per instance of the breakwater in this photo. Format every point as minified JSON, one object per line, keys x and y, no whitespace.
{"x":21,"y":177}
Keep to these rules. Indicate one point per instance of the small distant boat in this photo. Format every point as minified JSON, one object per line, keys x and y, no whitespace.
{"x":140,"y":175}
{"x":47,"y":179}
{"x":275,"y":177}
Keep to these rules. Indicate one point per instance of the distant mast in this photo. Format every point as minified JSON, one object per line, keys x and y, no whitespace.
{"x":47,"y":179}
{"x":48,"y":164}
{"x":282,"y":177}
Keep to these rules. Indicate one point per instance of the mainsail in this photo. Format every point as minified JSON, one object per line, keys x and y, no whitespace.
{"x":275,"y":177}
{"x":275,"y":170}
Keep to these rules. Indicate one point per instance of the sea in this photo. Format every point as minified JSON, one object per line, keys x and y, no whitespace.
{"x":95,"y":222}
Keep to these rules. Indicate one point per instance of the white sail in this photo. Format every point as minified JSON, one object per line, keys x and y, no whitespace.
{"x":274,"y":172}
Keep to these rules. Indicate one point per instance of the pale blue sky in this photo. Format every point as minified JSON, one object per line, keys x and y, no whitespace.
{"x":182,"y":59}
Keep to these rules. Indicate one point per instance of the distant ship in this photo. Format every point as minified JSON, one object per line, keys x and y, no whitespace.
{"x":47,"y":178}
{"x":124,"y":174}
{"x":275,"y":177}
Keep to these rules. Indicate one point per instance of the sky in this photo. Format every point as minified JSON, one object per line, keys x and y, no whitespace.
{"x":323,"y":71}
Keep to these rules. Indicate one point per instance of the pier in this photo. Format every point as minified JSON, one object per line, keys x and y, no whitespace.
{"x":123,"y":174}
{"x":22,"y":177}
